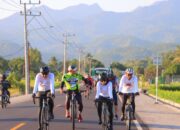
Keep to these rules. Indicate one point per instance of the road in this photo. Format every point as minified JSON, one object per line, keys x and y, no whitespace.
{"x":24,"y":116}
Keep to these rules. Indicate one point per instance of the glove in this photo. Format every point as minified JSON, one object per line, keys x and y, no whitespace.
{"x":120,"y":93}
{"x":137,"y":93}
{"x":33,"y":95}
{"x":53,"y":95}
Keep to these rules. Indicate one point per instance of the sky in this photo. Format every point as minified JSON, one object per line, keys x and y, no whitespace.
{"x":8,"y":7}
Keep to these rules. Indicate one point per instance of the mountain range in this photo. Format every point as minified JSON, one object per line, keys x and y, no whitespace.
{"x":109,"y":36}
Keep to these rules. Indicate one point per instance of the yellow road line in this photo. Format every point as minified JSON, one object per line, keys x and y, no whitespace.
{"x":18,"y":126}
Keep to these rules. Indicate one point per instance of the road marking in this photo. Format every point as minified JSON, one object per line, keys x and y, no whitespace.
{"x":137,"y":125}
{"x":18,"y":126}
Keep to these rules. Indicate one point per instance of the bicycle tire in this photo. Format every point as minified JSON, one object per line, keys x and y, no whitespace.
{"x":73,"y":114}
{"x":105,"y":119}
{"x":43,"y":119}
{"x":2,"y":102}
{"x":129,"y":119}
{"x":46,"y":113}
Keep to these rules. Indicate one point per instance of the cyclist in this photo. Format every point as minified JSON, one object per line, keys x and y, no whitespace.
{"x":104,"y":92}
{"x":89,"y":84}
{"x":5,"y":86}
{"x":114,"y":81}
{"x":44,"y":85}
{"x":70,"y":80}
{"x":128,"y":85}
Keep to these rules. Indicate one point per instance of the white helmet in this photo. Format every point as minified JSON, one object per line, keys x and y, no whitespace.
{"x":129,"y":70}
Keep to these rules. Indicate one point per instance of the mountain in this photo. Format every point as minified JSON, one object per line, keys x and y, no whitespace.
{"x":107,"y":35}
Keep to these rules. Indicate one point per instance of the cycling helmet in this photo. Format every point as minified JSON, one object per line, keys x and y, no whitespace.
{"x":129,"y":71}
{"x":3,"y":77}
{"x":44,"y":70}
{"x":110,"y":75}
{"x":72,"y":68}
{"x":103,"y":77}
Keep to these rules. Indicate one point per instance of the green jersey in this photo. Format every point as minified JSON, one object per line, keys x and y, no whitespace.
{"x":71,"y":81}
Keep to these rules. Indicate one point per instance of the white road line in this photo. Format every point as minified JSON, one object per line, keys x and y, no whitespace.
{"x":137,"y":125}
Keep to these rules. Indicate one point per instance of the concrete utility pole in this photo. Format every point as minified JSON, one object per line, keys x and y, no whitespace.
{"x":80,"y":52}
{"x":157,"y":61}
{"x":66,"y":35}
{"x":26,"y":44}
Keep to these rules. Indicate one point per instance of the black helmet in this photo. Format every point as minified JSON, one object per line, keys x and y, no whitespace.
{"x":103,"y":77}
{"x":110,"y":75}
{"x":72,"y":68}
{"x":44,"y":70}
{"x":3,"y":77}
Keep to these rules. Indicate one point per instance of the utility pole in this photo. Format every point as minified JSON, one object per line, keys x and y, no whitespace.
{"x":157,"y":61}
{"x":80,"y":51}
{"x":26,"y":44}
{"x":66,"y":35}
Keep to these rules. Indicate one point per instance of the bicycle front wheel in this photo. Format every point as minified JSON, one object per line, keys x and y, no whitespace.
{"x":129,"y":117}
{"x":105,"y":119}
{"x":44,"y":119}
{"x":73,"y":114}
{"x":2,"y":102}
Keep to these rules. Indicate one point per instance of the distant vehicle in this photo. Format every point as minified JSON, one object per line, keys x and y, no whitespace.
{"x":97,"y":71}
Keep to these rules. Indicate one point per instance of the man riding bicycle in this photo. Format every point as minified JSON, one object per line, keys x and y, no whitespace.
{"x":104,"y":92}
{"x":128,"y":85}
{"x":114,"y":80}
{"x":44,"y":85}
{"x":5,"y":84}
{"x":70,"y":80}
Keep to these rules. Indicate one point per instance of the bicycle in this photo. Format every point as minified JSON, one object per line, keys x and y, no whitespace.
{"x":73,"y":107}
{"x":44,"y":119}
{"x":4,"y":99}
{"x":129,"y":112}
{"x":105,"y":113}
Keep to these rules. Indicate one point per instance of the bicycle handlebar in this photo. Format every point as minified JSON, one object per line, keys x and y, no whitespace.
{"x":80,"y":91}
{"x":43,"y":97}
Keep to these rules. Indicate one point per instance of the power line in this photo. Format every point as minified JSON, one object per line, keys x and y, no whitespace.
{"x":14,"y":53}
{"x":47,"y":31}
{"x":53,"y":20}
{"x":8,"y":9}
{"x":13,"y":5}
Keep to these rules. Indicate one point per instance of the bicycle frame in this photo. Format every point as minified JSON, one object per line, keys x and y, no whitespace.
{"x":105,"y":114}
{"x":4,"y":99}
{"x":73,"y":109}
{"x":73,"y":106}
{"x":128,"y":112}
{"x":44,"y":119}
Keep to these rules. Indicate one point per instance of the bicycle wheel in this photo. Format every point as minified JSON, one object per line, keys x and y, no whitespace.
{"x":105,"y":119}
{"x":46,"y":113}
{"x":73,"y":114}
{"x":2,"y":102}
{"x":43,"y":120}
{"x":129,"y":120}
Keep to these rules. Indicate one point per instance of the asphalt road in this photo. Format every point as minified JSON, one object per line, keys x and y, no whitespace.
{"x":24,"y":116}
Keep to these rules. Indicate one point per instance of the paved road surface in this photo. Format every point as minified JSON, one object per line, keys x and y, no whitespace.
{"x":23,"y":116}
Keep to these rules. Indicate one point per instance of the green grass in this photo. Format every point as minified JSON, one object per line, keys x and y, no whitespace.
{"x":15,"y":90}
{"x":168,"y":91}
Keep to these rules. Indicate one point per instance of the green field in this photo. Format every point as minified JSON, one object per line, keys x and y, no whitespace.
{"x":167,"y":91}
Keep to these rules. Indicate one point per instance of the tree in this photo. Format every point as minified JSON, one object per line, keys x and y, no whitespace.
{"x":118,"y":66}
{"x":17,"y":66}
{"x":35,"y":60}
{"x":53,"y":64}
{"x":3,"y":65}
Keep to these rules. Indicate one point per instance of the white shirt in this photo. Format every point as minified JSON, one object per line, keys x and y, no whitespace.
{"x":104,"y":90}
{"x":44,"y":84}
{"x":128,"y":86}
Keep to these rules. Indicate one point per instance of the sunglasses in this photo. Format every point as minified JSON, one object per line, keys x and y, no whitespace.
{"x":129,"y":75}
